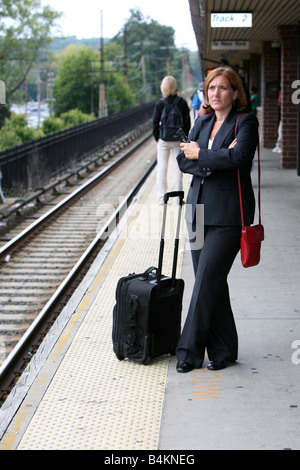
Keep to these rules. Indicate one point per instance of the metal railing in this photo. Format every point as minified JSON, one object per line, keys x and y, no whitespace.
{"x":30,"y":165}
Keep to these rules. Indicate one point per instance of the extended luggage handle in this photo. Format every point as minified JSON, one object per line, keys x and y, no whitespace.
{"x":180,"y":195}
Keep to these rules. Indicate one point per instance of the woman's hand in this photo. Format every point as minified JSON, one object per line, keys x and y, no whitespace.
{"x":190,"y":150}
{"x":233,"y":144}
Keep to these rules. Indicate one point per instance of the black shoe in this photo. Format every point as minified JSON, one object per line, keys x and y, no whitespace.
{"x":184,"y":367}
{"x":217,"y":365}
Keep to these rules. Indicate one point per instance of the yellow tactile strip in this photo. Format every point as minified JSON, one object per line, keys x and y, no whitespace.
{"x":95,"y":401}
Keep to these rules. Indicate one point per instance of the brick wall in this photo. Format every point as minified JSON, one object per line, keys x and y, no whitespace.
{"x":255,"y":74}
{"x":289,"y":111}
{"x":269,"y":103}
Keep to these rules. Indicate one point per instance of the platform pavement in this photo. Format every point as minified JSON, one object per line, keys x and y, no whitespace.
{"x":255,"y":403}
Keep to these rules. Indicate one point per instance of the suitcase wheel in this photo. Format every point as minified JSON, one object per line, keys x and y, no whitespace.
{"x":117,"y":352}
{"x":147,"y":361}
{"x":120,"y":357}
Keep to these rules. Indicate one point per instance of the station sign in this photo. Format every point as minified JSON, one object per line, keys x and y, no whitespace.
{"x":230,"y":20}
{"x":230,"y":45}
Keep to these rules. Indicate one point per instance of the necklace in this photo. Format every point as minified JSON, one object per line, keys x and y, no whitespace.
{"x":219,"y":122}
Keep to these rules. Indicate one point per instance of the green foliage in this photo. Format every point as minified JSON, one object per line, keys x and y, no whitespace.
{"x":15,"y":132}
{"x":72,"y":118}
{"x":73,"y":85}
{"x":132,"y":67}
{"x":75,"y":117}
{"x":25,"y":30}
{"x":129,"y":81}
{"x":119,"y":96}
{"x":151,"y":46}
{"x":8,"y":138}
{"x":77,"y":82}
{"x":52,"y":125}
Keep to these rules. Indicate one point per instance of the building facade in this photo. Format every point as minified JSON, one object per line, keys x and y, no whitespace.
{"x":261,"y":41}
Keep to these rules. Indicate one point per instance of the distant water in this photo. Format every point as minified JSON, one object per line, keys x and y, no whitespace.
{"x":35,"y":116}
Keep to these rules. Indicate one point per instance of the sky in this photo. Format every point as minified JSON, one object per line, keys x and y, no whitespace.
{"x":83,"y":19}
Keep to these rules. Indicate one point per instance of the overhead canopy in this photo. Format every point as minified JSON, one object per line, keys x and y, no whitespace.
{"x":235,"y":44}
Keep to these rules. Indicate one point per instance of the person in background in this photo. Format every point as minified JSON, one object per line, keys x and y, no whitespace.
{"x":254,"y":99}
{"x":167,"y":148}
{"x":196,"y":103}
{"x":277,"y":147}
{"x":213,"y":155}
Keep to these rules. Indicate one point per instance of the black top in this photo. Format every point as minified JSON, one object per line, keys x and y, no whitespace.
{"x":215,"y":182}
{"x":182,"y":105}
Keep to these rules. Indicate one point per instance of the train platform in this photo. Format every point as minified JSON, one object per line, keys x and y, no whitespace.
{"x":78,"y":396}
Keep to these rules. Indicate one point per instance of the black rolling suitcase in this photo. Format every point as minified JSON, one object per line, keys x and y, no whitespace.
{"x":147,"y":313}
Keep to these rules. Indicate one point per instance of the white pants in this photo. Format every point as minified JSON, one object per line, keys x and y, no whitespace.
{"x":164,"y":151}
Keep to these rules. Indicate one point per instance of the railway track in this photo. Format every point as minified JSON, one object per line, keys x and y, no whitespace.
{"x":42,"y":265}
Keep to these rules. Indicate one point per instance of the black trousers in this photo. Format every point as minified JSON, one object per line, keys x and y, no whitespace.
{"x":210,"y":324}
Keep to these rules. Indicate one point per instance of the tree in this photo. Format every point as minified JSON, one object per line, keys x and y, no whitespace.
{"x":73,"y":83}
{"x":151,"y":45}
{"x":25,"y":29}
{"x":71,"y":118}
{"x":77,"y":83}
{"x":118,"y":94}
{"x":15,"y":132}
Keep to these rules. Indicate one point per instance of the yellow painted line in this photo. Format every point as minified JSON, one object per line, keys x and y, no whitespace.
{"x":205,"y":384}
{"x":9,"y":438}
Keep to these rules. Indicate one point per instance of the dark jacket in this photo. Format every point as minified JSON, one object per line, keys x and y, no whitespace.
{"x":182,"y":105}
{"x":215,"y":182}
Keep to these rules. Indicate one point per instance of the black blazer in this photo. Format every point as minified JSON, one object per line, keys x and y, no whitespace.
{"x":215,"y":182}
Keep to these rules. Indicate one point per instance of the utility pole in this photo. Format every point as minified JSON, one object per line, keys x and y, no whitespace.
{"x":26,"y":98}
{"x":102,"y":110}
{"x":39,"y":97}
{"x":50,"y":86}
{"x":2,"y":101}
{"x":185,"y":70}
{"x":167,"y":48}
{"x":125,"y":56}
{"x":145,"y":87}
{"x":143,"y":68}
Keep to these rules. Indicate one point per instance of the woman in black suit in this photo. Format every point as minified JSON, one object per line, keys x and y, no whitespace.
{"x":213,"y":156}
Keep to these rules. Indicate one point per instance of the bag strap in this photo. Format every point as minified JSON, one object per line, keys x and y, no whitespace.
{"x":166,"y":102}
{"x":239,"y":181}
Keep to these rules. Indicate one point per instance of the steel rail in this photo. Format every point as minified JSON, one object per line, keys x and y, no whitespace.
{"x":22,"y":346}
{"x":17,"y":206}
{"x":7,"y":249}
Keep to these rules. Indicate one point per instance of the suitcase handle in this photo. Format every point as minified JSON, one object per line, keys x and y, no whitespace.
{"x":148,"y":272}
{"x":179,"y":194}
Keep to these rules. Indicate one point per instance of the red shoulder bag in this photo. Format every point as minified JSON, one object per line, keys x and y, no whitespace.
{"x":251,"y":236}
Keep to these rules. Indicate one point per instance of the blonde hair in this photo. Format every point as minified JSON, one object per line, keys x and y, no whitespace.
{"x":169,"y":86}
{"x":235,"y":83}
